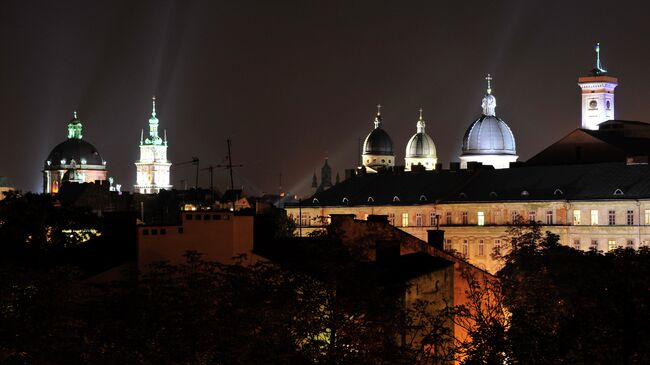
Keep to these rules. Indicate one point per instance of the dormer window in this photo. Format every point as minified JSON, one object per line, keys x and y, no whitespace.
{"x":346,"y":201}
{"x":558,"y":192}
{"x":371,"y":200}
{"x":423,"y":198}
{"x":315,"y":201}
{"x":618,"y":192}
{"x":395,"y":199}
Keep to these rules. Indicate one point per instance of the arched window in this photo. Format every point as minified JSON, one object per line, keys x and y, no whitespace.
{"x":462,"y":196}
{"x":618,"y":192}
{"x":525,"y":193}
{"x":493,"y":194}
{"x":346,"y":200}
{"x":423,"y":198}
{"x":558,"y":192}
{"x":395,"y":198}
{"x":315,"y":201}
{"x":371,"y":200}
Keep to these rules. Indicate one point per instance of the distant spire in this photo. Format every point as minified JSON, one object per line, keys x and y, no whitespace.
{"x":153,"y":126}
{"x":165,"y":137}
{"x":141,"y":136}
{"x":378,"y":117}
{"x":74,"y":115}
{"x":489,"y":86}
{"x":153,"y":108}
{"x":599,"y":66}
{"x":314,"y":181}
{"x":420,"y":124}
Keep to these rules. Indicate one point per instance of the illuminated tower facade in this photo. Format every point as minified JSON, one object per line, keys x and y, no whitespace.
{"x":153,"y":165}
{"x":597,"y":95}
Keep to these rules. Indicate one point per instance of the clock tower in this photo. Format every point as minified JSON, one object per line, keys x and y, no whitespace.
{"x":597,"y":95}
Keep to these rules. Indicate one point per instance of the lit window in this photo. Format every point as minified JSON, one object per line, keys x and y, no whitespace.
{"x":630,"y":218}
{"x":418,"y":220}
{"x":576,"y":244}
{"x":304,"y":220}
{"x":611,"y":245}
{"x":448,"y":218}
{"x":611,"y":217}
{"x":594,"y":217}
{"x":481,"y":218}
{"x":549,"y":217}
{"x":405,"y":219}
{"x":465,"y":218}
{"x":481,"y":247}
{"x":448,"y":245}
{"x":497,"y":247}
{"x":532,"y":217}
{"x":465,"y":251}
{"x":391,"y":218}
{"x":594,"y":245}
{"x":576,"y":217}
{"x":433,"y":219}
{"x":647,"y":217}
{"x":630,"y":243}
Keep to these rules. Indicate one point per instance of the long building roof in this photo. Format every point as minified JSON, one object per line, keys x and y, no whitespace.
{"x":601,"y":181}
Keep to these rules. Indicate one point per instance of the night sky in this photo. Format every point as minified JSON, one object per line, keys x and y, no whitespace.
{"x":291,"y":82}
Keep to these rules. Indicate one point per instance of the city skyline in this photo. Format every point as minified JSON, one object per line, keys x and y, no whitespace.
{"x":291,"y":85}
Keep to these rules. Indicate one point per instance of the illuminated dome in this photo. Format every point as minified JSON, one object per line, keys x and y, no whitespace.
{"x":73,"y":160}
{"x":488,"y":139}
{"x":421,"y":144}
{"x":378,"y":147}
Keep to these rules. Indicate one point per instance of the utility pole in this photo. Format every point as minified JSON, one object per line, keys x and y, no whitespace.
{"x":230,"y":166}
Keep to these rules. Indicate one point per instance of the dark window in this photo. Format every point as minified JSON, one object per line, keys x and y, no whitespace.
{"x":630,"y":217}
{"x":163,"y":231}
{"x":611,"y":218}
{"x":154,"y":232}
{"x":206,"y":217}
{"x":216,"y":217}
{"x":188,"y":217}
{"x":145,"y":232}
{"x":180,"y":230}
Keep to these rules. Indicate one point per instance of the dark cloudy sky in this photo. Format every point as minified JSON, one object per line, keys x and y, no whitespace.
{"x":293,"y":81}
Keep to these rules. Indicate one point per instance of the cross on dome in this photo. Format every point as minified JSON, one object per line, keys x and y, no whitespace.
{"x":378,"y":117}
{"x":420,"y":125}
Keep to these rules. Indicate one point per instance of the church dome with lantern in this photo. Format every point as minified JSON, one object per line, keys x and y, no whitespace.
{"x":74,"y":160}
{"x":488,"y":139}
{"x":378,"y":150}
{"x":420,"y":149}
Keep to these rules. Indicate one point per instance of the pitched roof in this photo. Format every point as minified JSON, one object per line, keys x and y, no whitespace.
{"x":613,"y":180}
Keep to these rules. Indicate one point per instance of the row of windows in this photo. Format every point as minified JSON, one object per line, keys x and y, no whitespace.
{"x":612,"y":244}
{"x":156,"y":231}
{"x":480,"y":247}
{"x":611,"y":217}
{"x":205,"y":216}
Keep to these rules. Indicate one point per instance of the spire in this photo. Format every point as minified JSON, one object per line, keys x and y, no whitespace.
{"x":421,"y":123}
{"x":599,"y":70}
{"x":153,"y":126}
{"x":141,"y":137}
{"x":489,"y":86}
{"x":489,"y":103}
{"x":165,"y":137}
{"x":314,"y":181}
{"x":378,"y":117}
{"x":74,"y":127}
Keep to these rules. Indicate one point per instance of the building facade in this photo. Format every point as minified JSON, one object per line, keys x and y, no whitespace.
{"x":153,"y":166}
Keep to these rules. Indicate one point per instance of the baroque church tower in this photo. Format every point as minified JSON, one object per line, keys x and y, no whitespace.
{"x":597,"y":95}
{"x":153,"y":166}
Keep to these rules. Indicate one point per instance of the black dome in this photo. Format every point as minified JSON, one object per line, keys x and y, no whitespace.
{"x":75,"y":149}
{"x":378,"y":142}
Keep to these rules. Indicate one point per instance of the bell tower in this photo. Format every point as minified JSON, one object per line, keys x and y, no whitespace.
{"x":597,"y":95}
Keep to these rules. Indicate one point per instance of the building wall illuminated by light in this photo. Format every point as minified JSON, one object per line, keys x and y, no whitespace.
{"x":153,"y":166}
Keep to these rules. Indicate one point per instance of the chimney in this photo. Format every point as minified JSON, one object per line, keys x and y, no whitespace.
{"x":377,"y":218}
{"x":436,"y":238}
{"x":340,"y":218}
{"x":387,"y":251}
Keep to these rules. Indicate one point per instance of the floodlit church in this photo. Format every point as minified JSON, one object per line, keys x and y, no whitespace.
{"x":591,"y":187}
{"x":153,"y":166}
{"x":73,"y":160}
